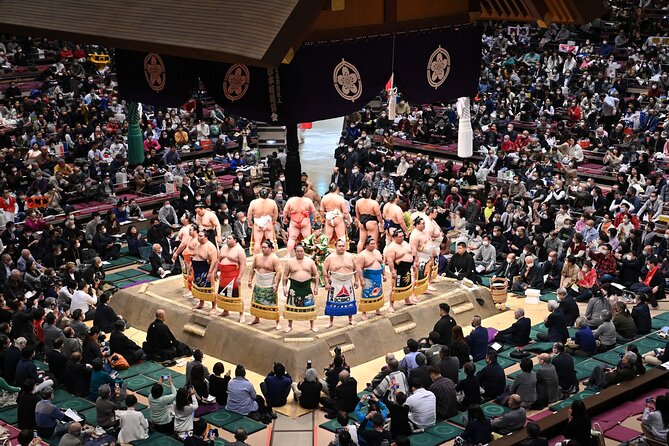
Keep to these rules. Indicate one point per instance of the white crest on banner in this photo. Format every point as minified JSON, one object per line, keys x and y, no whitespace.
{"x":438,"y":67}
{"x":236,"y":82}
{"x":347,"y":81}
{"x":154,"y":72}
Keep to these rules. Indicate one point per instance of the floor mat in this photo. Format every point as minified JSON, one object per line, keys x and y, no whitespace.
{"x":178,"y":379}
{"x":426,"y":439}
{"x":540,"y":347}
{"x":78,"y":404}
{"x":492,"y":410}
{"x":585,"y":368}
{"x":567,"y":402}
{"x":146,"y":367}
{"x":9,"y":416}
{"x":250,"y":425}
{"x":460,"y":419}
{"x":90,"y":415}
{"x":222,"y":417}
{"x":611,"y":357}
{"x":156,"y":439}
{"x":621,"y":433}
{"x":146,"y":391}
{"x":444,"y":431}
{"x":648,"y":344}
{"x":138,"y":382}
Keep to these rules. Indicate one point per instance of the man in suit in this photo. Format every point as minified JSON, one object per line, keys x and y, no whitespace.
{"x":492,"y":377}
{"x":553,"y":269}
{"x":57,"y":361}
{"x":343,"y":397}
{"x":508,"y":269}
{"x":445,"y":324}
{"x":511,"y":421}
{"x":188,"y":191}
{"x":121,"y":344}
{"x":518,"y":333}
{"x":5,"y":268}
{"x":556,"y":324}
{"x":105,"y":316}
{"x":530,"y":276}
{"x":355,"y":180}
{"x":478,"y":340}
{"x":339,"y":179}
{"x":161,"y":265}
{"x":568,"y":306}
{"x":564,"y":367}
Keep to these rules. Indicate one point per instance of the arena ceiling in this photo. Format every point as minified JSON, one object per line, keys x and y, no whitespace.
{"x":261,"y":32}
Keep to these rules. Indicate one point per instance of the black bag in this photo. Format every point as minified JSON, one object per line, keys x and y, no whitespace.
{"x":519,"y":354}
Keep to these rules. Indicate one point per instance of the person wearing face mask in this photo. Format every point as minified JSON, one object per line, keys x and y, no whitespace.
{"x":281,"y":183}
{"x":651,"y":209}
{"x":485,"y":256}
{"x":235,"y":198}
{"x":355,"y":178}
{"x":552,"y":269}
{"x":105,"y":245}
{"x":652,"y":284}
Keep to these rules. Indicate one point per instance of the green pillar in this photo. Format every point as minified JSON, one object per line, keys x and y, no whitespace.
{"x":135,"y":140}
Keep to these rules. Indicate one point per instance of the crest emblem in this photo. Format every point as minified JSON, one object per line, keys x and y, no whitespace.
{"x":438,"y":67}
{"x":154,"y":72}
{"x":347,"y":81}
{"x":236,"y":82}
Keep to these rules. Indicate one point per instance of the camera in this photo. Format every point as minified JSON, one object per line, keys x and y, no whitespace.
{"x":337,"y":351}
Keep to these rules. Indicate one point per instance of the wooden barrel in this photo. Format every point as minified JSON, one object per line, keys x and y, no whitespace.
{"x":498,"y":288}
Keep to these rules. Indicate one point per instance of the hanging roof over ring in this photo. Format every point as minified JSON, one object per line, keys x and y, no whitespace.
{"x":261,"y":32}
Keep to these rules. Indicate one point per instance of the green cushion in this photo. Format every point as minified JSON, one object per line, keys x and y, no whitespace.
{"x":663,"y":316}
{"x":138,"y":382}
{"x":426,"y":439}
{"x":611,"y":357}
{"x":146,"y":367}
{"x":124,"y":283}
{"x":444,"y":431}
{"x":121,"y":261}
{"x":505,"y":362}
{"x":128,"y":373}
{"x":221,"y":442}
{"x":130,"y":273}
{"x":78,"y":404}
{"x":178,"y":379}
{"x":158,"y":439}
{"x":146,"y":268}
{"x":459,"y":419}
{"x":539,"y":347}
{"x":567,"y":402}
{"x":41,"y":365}
{"x":548,"y":296}
{"x":9,"y":416}
{"x":90,"y":415}
{"x":657,"y":323}
{"x":330,"y":425}
{"x":585,"y":368}
{"x":222,"y":417}
{"x":114,"y":277}
{"x":493,"y":409}
{"x":60,"y":395}
{"x":146,"y":391}
{"x":648,"y":344}
{"x":250,"y":425}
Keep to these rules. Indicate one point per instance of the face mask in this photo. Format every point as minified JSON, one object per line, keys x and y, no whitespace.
{"x":219,"y":193}
{"x":486,"y":243}
{"x":509,"y":261}
{"x":198,"y":198}
{"x":350,"y":149}
{"x":282,"y":178}
{"x":516,"y":182}
{"x":355,"y":170}
{"x":471,"y":200}
{"x":236,"y":187}
{"x":628,"y":257}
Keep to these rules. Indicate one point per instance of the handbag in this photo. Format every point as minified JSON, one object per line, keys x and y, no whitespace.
{"x":597,"y":434}
{"x":519,"y":354}
{"x":118,"y":362}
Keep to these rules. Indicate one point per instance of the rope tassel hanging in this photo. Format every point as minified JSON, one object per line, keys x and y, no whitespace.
{"x":465,"y":134}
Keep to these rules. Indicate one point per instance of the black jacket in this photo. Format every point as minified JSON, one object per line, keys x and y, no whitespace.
{"x":569,"y":308}
{"x":493,"y":380}
{"x":557,"y":327}
{"x":57,"y":362}
{"x":508,"y":271}
{"x":564,"y":367}
{"x":121,"y":344}
{"x":105,"y":317}
{"x":345,"y":395}
{"x":642,"y":319}
{"x":444,"y":327}
{"x":519,"y":332}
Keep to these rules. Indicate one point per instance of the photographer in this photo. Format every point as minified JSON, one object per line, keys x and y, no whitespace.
{"x":333,"y":370}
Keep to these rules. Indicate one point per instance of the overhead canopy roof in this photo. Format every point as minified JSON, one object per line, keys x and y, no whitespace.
{"x":255,"y":32}
{"x":262,"y":32}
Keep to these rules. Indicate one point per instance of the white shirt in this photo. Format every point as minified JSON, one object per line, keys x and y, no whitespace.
{"x":82,"y":300}
{"x":423,"y":407}
{"x":133,"y":426}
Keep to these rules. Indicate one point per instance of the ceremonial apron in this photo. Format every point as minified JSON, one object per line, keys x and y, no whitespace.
{"x":228,"y":289}
{"x":300,"y":305}
{"x":186,"y":270}
{"x":435,"y":260}
{"x":424,"y":259}
{"x":202,"y":288}
{"x":341,"y":296}
{"x":372,"y":289}
{"x":264,"y":302}
{"x":403,"y":286}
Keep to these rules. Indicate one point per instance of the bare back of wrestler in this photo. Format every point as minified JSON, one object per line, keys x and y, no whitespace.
{"x":368,"y":213}
{"x":207,"y":251}
{"x":396,"y":252}
{"x":335,"y":214}
{"x":393,"y":217}
{"x":297,"y":214}
{"x":263,"y":212}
